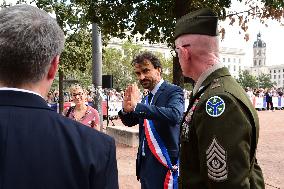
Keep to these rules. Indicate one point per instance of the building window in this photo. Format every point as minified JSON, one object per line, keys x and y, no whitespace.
{"x":234,"y":68}
{"x":229,"y":60}
{"x":254,"y":63}
{"x":224,"y":59}
{"x":274,"y":71}
{"x":269,"y":71}
{"x":240,"y":68}
{"x":239,"y":60}
{"x":259,"y":62}
{"x":274,"y":76}
{"x":278,"y":71}
{"x":278,"y":76}
{"x":234,"y":60}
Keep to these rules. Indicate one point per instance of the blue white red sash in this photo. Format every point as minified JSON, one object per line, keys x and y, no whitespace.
{"x":159,"y":150}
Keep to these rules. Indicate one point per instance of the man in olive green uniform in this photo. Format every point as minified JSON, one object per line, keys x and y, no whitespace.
{"x":219,"y":132}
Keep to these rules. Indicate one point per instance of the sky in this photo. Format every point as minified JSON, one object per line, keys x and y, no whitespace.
{"x":273,"y":36}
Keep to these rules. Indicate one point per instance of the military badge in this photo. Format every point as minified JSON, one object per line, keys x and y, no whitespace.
{"x":216,"y":162}
{"x":186,"y":123}
{"x":215,"y":106}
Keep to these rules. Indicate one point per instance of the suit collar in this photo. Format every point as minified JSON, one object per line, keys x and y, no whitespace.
{"x":22,"y":99}
{"x":18,"y":89}
{"x":159,"y":92}
{"x":156,"y":88}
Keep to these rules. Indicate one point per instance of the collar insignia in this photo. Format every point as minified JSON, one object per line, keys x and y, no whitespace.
{"x":215,"y":106}
{"x":215,"y":84}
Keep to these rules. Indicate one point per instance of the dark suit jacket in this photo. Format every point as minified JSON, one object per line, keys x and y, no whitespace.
{"x":166,"y":112}
{"x":41,"y":149}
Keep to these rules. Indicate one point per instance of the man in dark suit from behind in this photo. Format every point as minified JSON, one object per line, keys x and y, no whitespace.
{"x":158,"y":115}
{"x":41,"y":149}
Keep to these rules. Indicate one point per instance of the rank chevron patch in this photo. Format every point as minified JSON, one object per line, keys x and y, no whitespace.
{"x":215,"y":106}
{"x":216,"y":162}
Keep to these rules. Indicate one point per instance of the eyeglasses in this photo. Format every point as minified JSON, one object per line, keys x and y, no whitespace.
{"x":185,"y":45}
{"x":76,"y":94}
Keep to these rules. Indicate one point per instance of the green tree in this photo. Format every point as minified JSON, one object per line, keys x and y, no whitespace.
{"x":155,"y":20}
{"x":265,"y":81}
{"x":77,"y":57}
{"x":113,"y":64}
{"x":167,"y":67}
{"x":117,"y":62}
{"x":247,"y":80}
{"x":70,"y":18}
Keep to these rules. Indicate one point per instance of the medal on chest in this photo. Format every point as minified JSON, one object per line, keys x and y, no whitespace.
{"x":185,"y":127}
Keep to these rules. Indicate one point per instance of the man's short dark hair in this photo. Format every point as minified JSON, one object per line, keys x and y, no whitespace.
{"x":140,"y":58}
{"x":29,"y":40}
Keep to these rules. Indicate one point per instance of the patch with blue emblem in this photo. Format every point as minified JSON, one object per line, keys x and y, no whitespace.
{"x":215,"y":106}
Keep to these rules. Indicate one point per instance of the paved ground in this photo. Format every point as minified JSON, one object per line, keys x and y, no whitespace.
{"x":269,"y":154}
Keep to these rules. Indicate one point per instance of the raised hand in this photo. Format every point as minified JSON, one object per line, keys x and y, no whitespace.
{"x":131,"y":98}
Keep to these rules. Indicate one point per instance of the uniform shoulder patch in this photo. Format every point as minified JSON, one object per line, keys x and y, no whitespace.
{"x":216,"y":162}
{"x":215,"y":106}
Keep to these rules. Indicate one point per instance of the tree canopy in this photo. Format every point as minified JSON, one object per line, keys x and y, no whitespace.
{"x":247,"y":80}
{"x":155,"y":20}
{"x":117,"y":62}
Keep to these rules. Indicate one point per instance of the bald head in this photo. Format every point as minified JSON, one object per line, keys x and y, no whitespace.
{"x":201,"y":44}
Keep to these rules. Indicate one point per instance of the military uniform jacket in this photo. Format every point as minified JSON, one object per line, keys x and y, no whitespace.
{"x":219,"y":136}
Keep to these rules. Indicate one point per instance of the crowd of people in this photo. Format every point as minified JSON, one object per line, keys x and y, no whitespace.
{"x":211,"y":145}
{"x":260,"y":92}
{"x":112,"y":95}
{"x":267,"y":94}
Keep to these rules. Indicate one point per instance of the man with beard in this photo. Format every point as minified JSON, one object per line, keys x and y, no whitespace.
{"x":158,"y":116}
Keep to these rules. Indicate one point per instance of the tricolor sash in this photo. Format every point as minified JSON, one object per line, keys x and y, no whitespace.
{"x":159,"y":150}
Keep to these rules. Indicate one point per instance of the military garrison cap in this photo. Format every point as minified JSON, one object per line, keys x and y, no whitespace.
{"x":203,"y":22}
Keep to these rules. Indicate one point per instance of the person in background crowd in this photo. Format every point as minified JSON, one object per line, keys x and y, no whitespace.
{"x":112,"y":96}
{"x":82,"y":112}
{"x":249,"y":92}
{"x":159,"y":112}
{"x":219,"y":132}
{"x":280,"y":92}
{"x":56,"y":97}
{"x":268,"y":98}
{"x":39,"y":147}
{"x":122,"y":94}
{"x":49,"y":98}
{"x":261,"y":92}
{"x":119,"y":97}
{"x":90,"y":97}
